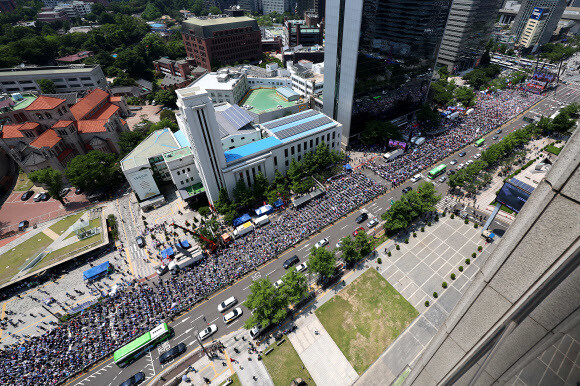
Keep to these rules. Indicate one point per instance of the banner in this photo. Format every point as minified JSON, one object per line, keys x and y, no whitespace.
{"x":397,"y":144}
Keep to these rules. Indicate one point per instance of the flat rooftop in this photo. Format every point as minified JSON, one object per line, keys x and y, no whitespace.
{"x":159,"y":142}
{"x":25,"y":102}
{"x":264,"y":99}
{"x":45,"y":70}
{"x":299,"y":125}
{"x":179,"y":153}
{"x":252,"y":148}
{"x":210,"y":82}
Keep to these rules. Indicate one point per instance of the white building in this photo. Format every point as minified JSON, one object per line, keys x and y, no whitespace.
{"x":283,"y":139}
{"x":307,"y":78}
{"x":279,"y":6}
{"x":235,"y":126}
{"x":224,"y":86}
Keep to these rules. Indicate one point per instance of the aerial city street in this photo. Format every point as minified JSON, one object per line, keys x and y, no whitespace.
{"x":244,"y":194}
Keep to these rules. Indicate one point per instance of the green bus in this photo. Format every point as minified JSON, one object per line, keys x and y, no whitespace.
{"x":140,"y":345}
{"x":479,"y":142}
{"x":437,"y":171}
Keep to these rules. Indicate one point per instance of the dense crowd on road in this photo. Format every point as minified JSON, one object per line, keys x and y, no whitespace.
{"x":490,"y":111}
{"x":98,"y":331}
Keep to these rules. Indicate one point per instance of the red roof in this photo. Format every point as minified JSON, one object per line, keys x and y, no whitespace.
{"x":47,"y":139}
{"x":75,"y":57}
{"x":114,"y":99}
{"x":44,"y":102}
{"x":65,"y":153}
{"x":106,"y":111}
{"x":83,"y":107}
{"x":123,"y":122}
{"x":11,"y":131}
{"x":29,"y":126}
{"x":61,"y":124}
{"x":92,"y":126}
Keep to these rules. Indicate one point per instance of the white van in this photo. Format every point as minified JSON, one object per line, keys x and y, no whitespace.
{"x":226,"y":304}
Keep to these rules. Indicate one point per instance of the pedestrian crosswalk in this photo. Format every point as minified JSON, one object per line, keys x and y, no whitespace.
{"x":447,"y":203}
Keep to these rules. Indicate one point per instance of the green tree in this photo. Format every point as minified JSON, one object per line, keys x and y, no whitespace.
{"x":428,"y":196}
{"x":268,"y":304}
{"x":259,"y":187}
{"x":167,"y":114}
{"x":350,"y":253}
{"x":214,"y":10}
{"x":197,"y":7}
{"x":128,"y":140}
{"x":294,"y":286}
{"x":321,"y":262}
{"x":151,"y":12}
{"x":223,"y":203}
{"x":429,"y":118}
{"x":322,"y":155}
{"x":52,"y":179}
{"x":46,"y":86}
{"x":295,"y":171}
{"x":485,"y":58}
{"x":166,"y":97}
{"x":363,"y":243}
{"x":562,"y":123}
{"x":465,"y":95}
{"x":204,"y":211}
{"x":242,"y":194}
{"x":94,"y":170}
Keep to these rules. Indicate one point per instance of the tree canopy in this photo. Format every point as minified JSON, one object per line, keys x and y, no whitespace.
{"x":321,"y":262}
{"x":46,"y":86}
{"x":94,"y":170}
{"x":52,"y":179}
{"x":267,"y":303}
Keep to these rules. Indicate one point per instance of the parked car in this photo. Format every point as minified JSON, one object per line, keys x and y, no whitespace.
{"x":204,"y":334}
{"x":469,"y":162}
{"x":140,"y":241}
{"x":416,"y":178}
{"x":462,"y":154}
{"x":301,"y":267}
{"x":460,"y":166}
{"x":357,"y":230}
{"x":232,"y":315}
{"x":339,"y":244}
{"x":37,"y":197}
{"x":442,"y":179}
{"x":134,"y":380}
{"x":278,"y":284}
{"x":450,"y":171}
{"x":321,"y":243}
{"x":23,"y":225}
{"x":227,"y":304}
{"x":407,"y":189}
{"x":291,"y":261}
{"x":45,"y":196}
{"x":498,"y":131}
{"x":64,"y":192}
{"x":360,"y":219}
{"x":172,"y":353}
{"x":26,"y":195}
{"x":477,"y":156}
{"x":372,"y":223}
{"x":162,"y":270}
{"x":78,"y":191}
{"x":453,"y":162}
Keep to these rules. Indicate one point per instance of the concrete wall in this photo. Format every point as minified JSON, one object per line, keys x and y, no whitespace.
{"x":524,"y":298}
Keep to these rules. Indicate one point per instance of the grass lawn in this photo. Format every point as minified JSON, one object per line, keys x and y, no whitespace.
{"x":235,"y":380}
{"x":12,"y":261}
{"x":553,"y":149}
{"x":503,"y":208}
{"x":23,"y":183}
{"x":365,"y":318}
{"x":65,"y":223}
{"x":61,"y":253}
{"x":284,"y":364}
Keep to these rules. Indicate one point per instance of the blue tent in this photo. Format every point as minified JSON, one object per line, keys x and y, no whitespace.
{"x":184,"y":244}
{"x":348,"y":167}
{"x":167,"y":253}
{"x":278,"y":203}
{"x":266,"y":209}
{"x":242,"y":219}
{"x":95,"y":272}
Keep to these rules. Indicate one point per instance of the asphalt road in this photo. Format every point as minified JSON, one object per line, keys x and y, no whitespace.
{"x":107,"y":373}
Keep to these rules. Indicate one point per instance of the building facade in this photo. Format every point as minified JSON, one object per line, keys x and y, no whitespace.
{"x":224,"y":86}
{"x":66,"y":78}
{"x":379,"y":58}
{"x":279,"y":6}
{"x":550,"y":11}
{"x":297,"y":32}
{"x":211,"y":42}
{"x":468,"y":30}
{"x":307,"y":77}
{"x":50,"y":133}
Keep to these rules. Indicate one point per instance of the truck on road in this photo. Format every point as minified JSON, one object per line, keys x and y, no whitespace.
{"x":243,"y":229}
{"x":262,"y":220}
{"x":393,"y":154}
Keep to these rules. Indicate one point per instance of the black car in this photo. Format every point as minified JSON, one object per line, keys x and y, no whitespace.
{"x":134,"y":380}
{"x":172,"y":353}
{"x":27,"y":195}
{"x":462,"y":154}
{"x":362,"y":218}
{"x":78,"y":191}
{"x":450,"y":172}
{"x":140,"y":242}
{"x":23,"y":225}
{"x":44,"y":197}
{"x":407,"y":189}
{"x":291,"y":261}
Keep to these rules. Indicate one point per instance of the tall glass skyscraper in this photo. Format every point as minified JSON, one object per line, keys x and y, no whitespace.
{"x":379,"y":57}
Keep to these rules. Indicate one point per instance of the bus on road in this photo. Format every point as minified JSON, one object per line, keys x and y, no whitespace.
{"x":479,"y":142}
{"x":140,"y":345}
{"x":437,"y":171}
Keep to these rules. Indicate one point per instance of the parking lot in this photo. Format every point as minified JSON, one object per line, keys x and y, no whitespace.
{"x":15,"y":210}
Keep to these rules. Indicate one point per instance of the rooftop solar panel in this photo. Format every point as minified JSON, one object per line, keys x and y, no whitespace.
{"x":521,"y":185}
{"x":290,"y":119}
{"x":302,"y":127}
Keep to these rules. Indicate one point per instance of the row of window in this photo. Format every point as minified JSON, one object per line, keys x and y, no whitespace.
{"x":183,"y":171}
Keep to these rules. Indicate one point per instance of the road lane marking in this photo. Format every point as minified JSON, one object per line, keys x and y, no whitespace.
{"x":271,"y":273}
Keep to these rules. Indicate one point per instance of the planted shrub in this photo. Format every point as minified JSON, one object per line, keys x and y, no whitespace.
{"x":429,"y":223}
{"x":426,"y":303}
{"x":414,"y":234}
{"x":466,"y":221}
{"x":443,"y":214}
{"x":461,"y":268}
{"x":474,"y":255}
{"x":389,"y":253}
{"x":422,"y":229}
{"x":452,"y":216}
{"x":452,"y":276}
{"x":406,"y":241}
{"x":435,"y":295}
{"x":397,"y":247}
{"x":380,"y":261}
{"x":475,"y":226}
{"x":479,"y":248}
{"x":467,"y":261}
{"x":436,"y":218}
{"x":444,"y":284}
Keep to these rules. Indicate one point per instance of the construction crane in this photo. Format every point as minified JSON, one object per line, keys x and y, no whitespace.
{"x":213,"y":246}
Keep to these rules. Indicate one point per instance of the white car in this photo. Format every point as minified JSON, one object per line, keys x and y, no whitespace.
{"x":226,"y":304}
{"x":453,"y":162}
{"x":278,"y":284}
{"x":416,"y":178}
{"x":460,"y":166}
{"x":204,"y":334}
{"x":339,"y":244}
{"x":301,"y":267}
{"x":442,"y":179}
{"x":321,"y":243}
{"x":232,"y":315}
{"x":372,"y":223}
{"x":477,"y":156}
{"x":469,"y":162}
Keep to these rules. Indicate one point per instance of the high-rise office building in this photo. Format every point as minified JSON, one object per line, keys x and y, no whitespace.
{"x":536,"y":21}
{"x":379,"y":57}
{"x":468,"y":29}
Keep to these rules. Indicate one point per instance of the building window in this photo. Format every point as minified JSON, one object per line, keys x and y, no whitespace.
{"x":275,"y":161}
{"x":188,"y":169}
{"x":292,"y":149}
{"x":286,"y":153}
{"x":178,"y":173}
{"x":328,"y":137}
{"x":299,"y":148}
{"x":299,"y":158}
{"x":48,"y":116}
{"x":286,"y":163}
{"x":232,"y":140}
{"x":259,"y":169}
{"x":334,"y":135}
{"x":311,"y":145}
{"x":181,"y":182}
{"x":317,"y":139}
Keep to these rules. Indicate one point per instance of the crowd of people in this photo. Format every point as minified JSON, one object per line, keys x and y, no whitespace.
{"x":64,"y":350}
{"x":490,"y":111}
